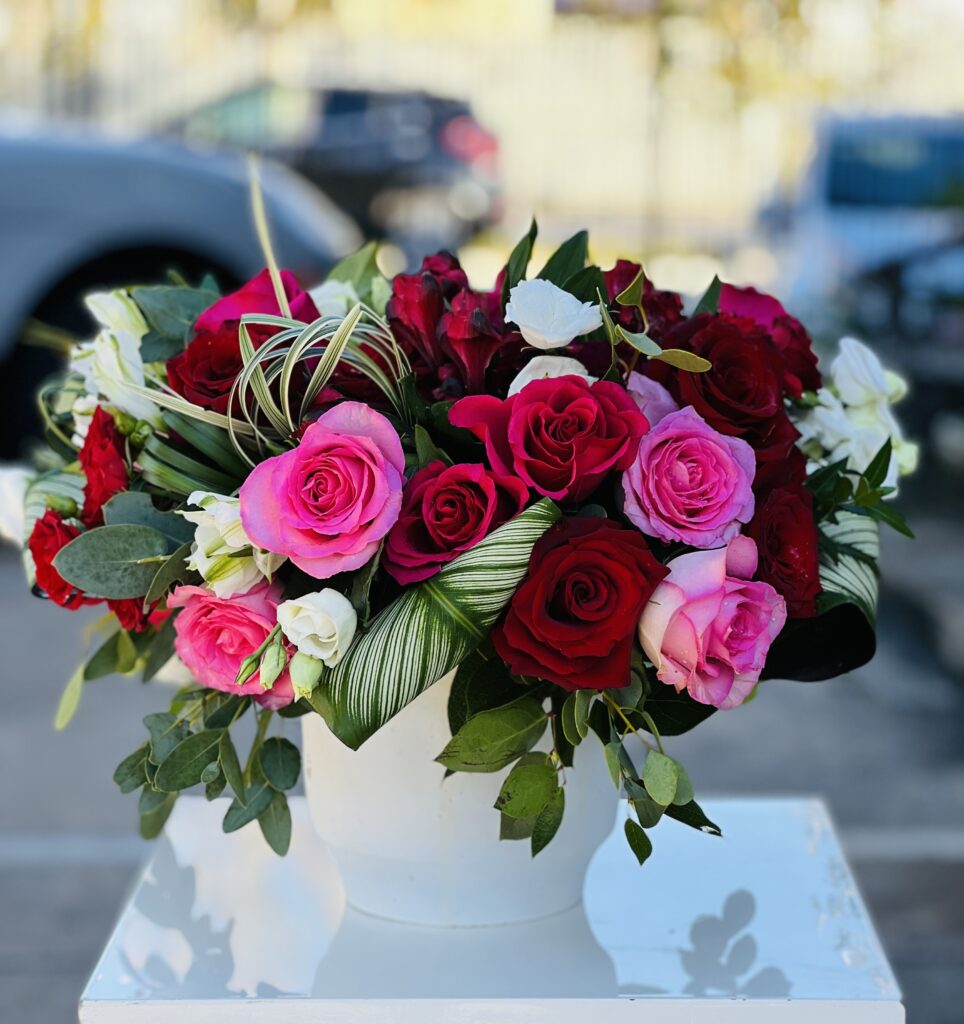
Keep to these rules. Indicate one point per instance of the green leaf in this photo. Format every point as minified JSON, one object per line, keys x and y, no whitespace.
{"x":876,"y":472}
{"x":136,"y":508}
{"x":182,"y":768}
{"x":69,"y":699}
{"x":116,"y":654}
{"x":211,"y":441}
{"x":580,"y":711}
{"x":170,"y":310}
{"x":213,"y":789}
{"x":527,"y":789}
{"x":493,"y":739}
{"x":611,"y":750}
{"x":567,"y":260}
{"x":230,"y":765}
{"x":642,"y":342}
{"x":211,"y":772}
{"x":152,"y":824}
{"x":113,"y":561}
{"x":851,"y":578}
{"x":429,"y":630}
{"x":548,"y":821}
{"x":661,"y":775}
{"x":565,"y":751}
{"x":692,"y":814}
{"x":629,"y":696}
{"x":220,"y":709}
{"x":129,"y":774}
{"x":647,"y":810}
{"x":161,"y":461}
{"x":674,"y":713}
{"x":150,"y":800}
{"x":516,"y":828}
{"x":166,"y":733}
{"x":684,"y":787}
{"x":360,"y":269}
{"x":239,"y":814}
{"x":426,"y":450}
{"x":586,"y":284}
{"x":482,"y":682}
{"x":280,"y":762}
{"x":515,"y":269}
{"x":683,"y":360}
{"x":162,"y":649}
{"x":275,"y":822}
{"x":568,"y":716}
{"x":638,"y":841}
{"x":710,"y":302}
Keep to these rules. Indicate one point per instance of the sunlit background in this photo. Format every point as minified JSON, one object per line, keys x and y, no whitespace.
{"x":813,"y":147}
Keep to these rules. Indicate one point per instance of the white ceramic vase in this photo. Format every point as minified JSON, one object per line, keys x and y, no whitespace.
{"x":413,"y":846}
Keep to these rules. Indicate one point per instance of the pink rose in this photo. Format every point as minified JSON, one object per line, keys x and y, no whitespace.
{"x":708,"y":628}
{"x":327,"y":503}
{"x":653,"y":400}
{"x":561,"y":436}
{"x":689,"y":483}
{"x":215,"y":634}
{"x":258,"y":296}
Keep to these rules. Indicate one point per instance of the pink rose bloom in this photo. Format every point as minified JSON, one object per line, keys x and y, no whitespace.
{"x":708,"y":627}
{"x":327,"y":503}
{"x":690,"y":483}
{"x":215,"y":634}
{"x":561,"y":436}
{"x":653,"y":400}
{"x":257,"y":296}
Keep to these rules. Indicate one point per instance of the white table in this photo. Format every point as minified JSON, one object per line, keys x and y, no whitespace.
{"x":762,"y":926}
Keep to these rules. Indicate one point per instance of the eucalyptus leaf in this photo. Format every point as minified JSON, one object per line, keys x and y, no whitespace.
{"x":280,"y":762}
{"x":166,"y":733}
{"x":150,"y":800}
{"x":171,"y":311}
{"x":114,"y":562}
{"x":69,"y":699}
{"x":611,"y":750}
{"x":211,"y":772}
{"x":136,"y":508}
{"x":692,"y":814}
{"x":162,"y":649}
{"x":642,"y":342}
{"x":220,"y":710}
{"x":213,"y":789}
{"x":683,"y":360}
{"x":230,"y":765}
{"x":516,"y":828}
{"x":275,"y":822}
{"x":492,"y":739}
{"x":152,"y":824}
{"x":660,"y":775}
{"x":129,"y":774}
{"x":639,"y":842}
{"x":182,"y":768}
{"x":481,"y":682}
{"x":527,"y":789}
{"x":568,"y":719}
{"x":548,"y":821}
{"x":116,"y":654}
{"x":581,"y":704}
{"x":239,"y":814}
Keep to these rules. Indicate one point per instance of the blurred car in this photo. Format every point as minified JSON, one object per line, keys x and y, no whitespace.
{"x":408,"y":166}
{"x":877,"y":191}
{"x":80,"y":212}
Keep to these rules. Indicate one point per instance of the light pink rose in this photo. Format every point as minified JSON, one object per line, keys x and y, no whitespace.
{"x":690,"y":483}
{"x":215,"y":634}
{"x":327,"y":503}
{"x":654,"y":401}
{"x":708,"y":628}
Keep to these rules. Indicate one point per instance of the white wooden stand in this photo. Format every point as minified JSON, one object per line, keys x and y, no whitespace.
{"x":763,"y":926}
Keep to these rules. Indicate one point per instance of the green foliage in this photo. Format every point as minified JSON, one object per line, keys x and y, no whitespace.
{"x":113,"y":561}
{"x":230,"y":765}
{"x":137,"y":509}
{"x":161,"y":650}
{"x":660,"y":776}
{"x":154,"y":820}
{"x":710,"y":302}
{"x":130,"y":774}
{"x":586,"y":284}
{"x":481,"y":682}
{"x":170,"y":312}
{"x":548,"y":821}
{"x":275,"y":822}
{"x":280,"y":762}
{"x":567,"y":260}
{"x":116,"y":654}
{"x":360,"y":270}
{"x":166,"y":732}
{"x":638,"y":841}
{"x":69,"y":700}
{"x":493,"y":739}
{"x":528,"y":787}
{"x":183,"y":766}
{"x":515,"y":269}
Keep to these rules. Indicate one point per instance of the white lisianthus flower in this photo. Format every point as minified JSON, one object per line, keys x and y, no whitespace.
{"x":544,"y":367}
{"x":111,"y":363}
{"x":547,"y":316}
{"x":852,"y":418}
{"x":321,"y":625}
{"x":13,"y":487}
{"x":334,"y":298}
{"x":222,"y":552}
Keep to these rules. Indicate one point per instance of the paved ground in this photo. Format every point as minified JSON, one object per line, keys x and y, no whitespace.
{"x":884,"y":746}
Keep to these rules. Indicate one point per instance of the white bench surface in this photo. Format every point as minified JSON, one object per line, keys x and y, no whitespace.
{"x":764,"y":925}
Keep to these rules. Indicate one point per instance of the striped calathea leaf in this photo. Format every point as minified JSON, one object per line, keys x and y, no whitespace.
{"x":848,"y":564}
{"x":428,"y":630}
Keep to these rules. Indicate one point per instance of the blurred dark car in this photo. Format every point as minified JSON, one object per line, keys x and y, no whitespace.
{"x":80,"y":212}
{"x":408,"y":166}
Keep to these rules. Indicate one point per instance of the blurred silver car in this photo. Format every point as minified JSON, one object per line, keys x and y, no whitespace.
{"x":79,"y":212}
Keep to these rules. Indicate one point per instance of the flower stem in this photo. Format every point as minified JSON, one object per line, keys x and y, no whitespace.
{"x":264,"y":718}
{"x":629,"y":725}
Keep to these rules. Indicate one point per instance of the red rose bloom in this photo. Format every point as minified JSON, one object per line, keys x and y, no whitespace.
{"x":561,"y":436}
{"x":447,"y":510}
{"x":790,"y":337}
{"x":787,"y":541}
{"x":104,"y":465}
{"x":742,"y":395}
{"x":49,"y":535}
{"x":786,"y":472}
{"x":130,"y":614}
{"x":207,"y":369}
{"x":573,"y":620}
{"x":257,"y":296}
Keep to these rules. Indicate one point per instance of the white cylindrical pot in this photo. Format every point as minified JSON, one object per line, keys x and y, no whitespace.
{"x":414,"y":846}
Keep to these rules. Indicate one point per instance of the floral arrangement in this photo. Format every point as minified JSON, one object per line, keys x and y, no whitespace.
{"x":607,"y":516}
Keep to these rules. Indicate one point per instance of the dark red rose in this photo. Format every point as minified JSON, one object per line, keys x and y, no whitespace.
{"x":206,"y":370}
{"x":742,"y":395}
{"x":447,"y":510}
{"x":572,"y":621}
{"x":787,"y":541}
{"x":447,"y":270}
{"x":49,"y":535}
{"x":413,"y":312}
{"x":130,"y":614}
{"x":779,"y":473}
{"x":663,"y":309}
{"x":790,"y":337}
{"x":470,"y":340}
{"x":257,"y":296}
{"x":102,"y":458}
{"x":561,"y":436}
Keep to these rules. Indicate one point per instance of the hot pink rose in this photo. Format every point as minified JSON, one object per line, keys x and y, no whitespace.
{"x":215,"y":634}
{"x":327,"y":503}
{"x":561,"y":436}
{"x":258,"y":296}
{"x":689,"y":483}
{"x":708,"y":628}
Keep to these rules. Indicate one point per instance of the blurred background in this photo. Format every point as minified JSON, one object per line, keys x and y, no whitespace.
{"x":812,"y":147}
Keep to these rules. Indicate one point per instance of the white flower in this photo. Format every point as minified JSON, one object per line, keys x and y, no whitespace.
{"x":547,"y":316}
{"x":543,"y":367}
{"x":860,"y":378}
{"x":82,"y":411}
{"x":321,"y":625}
{"x":111,"y":363}
{"x":222,"y":552}
{"x":13,"y":487}
{"x":334,"y":298}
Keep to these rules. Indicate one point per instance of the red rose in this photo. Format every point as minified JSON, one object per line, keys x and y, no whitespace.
{"x":790,"y":337}
{"x":662,"y":309}
{"x":257,"y":296}
{"x":447,"y":510}
{"x":783,"y":473}
{"x":742,"y":395}
{"x":573,"y":620}
{"x":207,"y":369}
{"x":130,"y":614}
{"x":787,"y":541}
{"x":447,"y":270}
{"x":561,"y":436}
{"x":104,"y":465}
{"x":49,"y":535}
